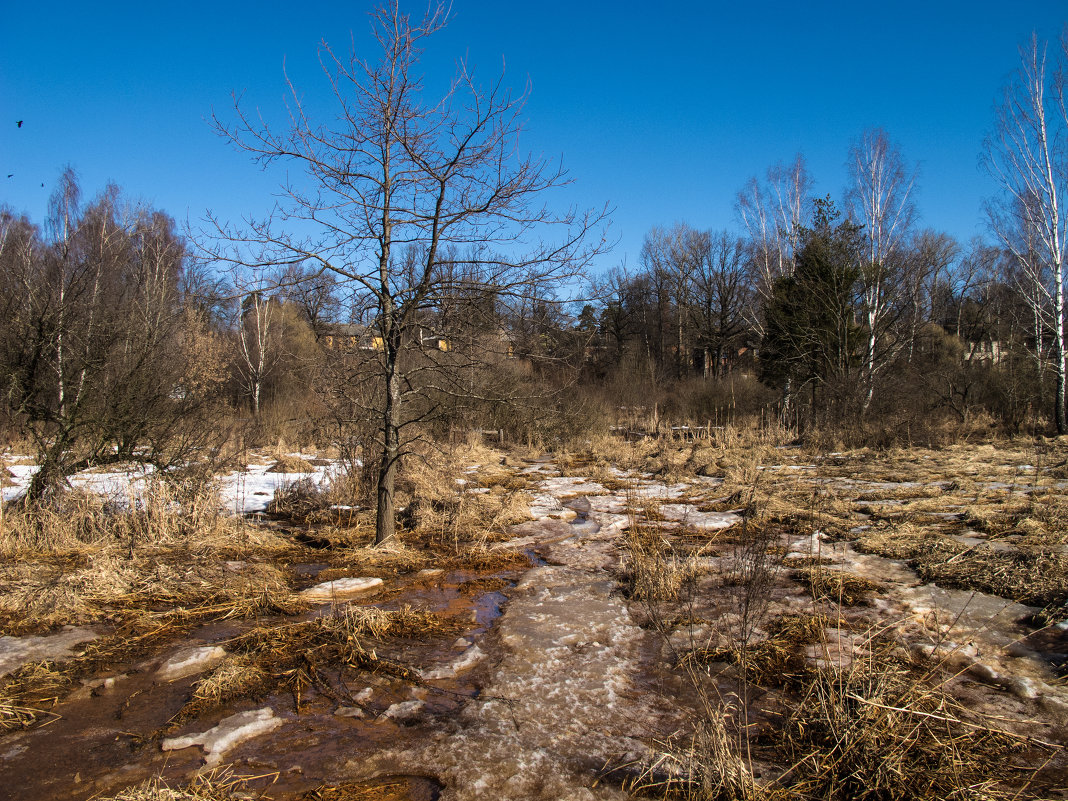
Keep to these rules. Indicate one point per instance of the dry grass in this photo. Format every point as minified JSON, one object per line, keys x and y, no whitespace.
{"x":1029,"y":573}
{"x":38,"y":597}
{"x":397,"y":788}
{"x":654,"y":573}
{"x":436,"y":503}
{"x":314,"y":653}
{"x":289,"y":463}
{"x":705,"y":766}
{"x":877,"y":730}
{"x":216,"y":785}
{"x":848,"y":715}
{"x":15,"y":716}
{"x":837,"y":586}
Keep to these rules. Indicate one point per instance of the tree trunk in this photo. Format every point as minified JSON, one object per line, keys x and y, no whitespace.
{"x":50,"y":476}
{"x":385,"y":518}
{"x":1058,"y":308}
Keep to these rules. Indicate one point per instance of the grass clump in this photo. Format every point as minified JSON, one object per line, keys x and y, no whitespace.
{"x":1030,"y":572}
{"x":654,"y":573}
{"x":215,"y":785}
{"x":291,"y":463}
{"x":295,"y":656}
{"x":877,"y":730}
{"x":847,"y":589}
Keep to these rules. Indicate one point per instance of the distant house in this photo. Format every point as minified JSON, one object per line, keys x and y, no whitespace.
{"x":985,"y":350}
{"x":432,"y":341}
{"x":345,"y":338}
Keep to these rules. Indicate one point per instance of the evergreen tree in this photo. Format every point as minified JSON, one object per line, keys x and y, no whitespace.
{"x":811,"y":338}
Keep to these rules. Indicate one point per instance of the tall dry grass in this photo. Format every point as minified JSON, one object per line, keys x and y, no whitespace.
{"x":85,"y":558}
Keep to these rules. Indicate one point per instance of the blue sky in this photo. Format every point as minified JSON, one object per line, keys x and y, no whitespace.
{"x":663,"y":112}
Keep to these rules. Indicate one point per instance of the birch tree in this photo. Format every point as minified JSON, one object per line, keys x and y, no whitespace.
{"x":93,"y":351}
{"x":880,"y":196}
{"x":255,"y":327}
{"x":384,"y":189}
{"x":772,"y":213}
{"x":1025,"y":154}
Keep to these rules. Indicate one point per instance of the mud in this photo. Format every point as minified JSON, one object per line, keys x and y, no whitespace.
{"x":556,"y":676}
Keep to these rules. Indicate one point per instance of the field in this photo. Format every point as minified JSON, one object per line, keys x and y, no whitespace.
{"x":728,"y":616}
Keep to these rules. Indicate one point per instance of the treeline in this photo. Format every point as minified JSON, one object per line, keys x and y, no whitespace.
{"x":117,"y":345}
{"x":407,"y":317}
{"x":811,"y":315}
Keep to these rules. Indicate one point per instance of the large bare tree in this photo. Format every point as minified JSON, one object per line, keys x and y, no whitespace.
{"x":99,"y":355}
{"x":1025,"y":153}
{"x":390,"y":185}
{"x":772,"y":213}
{"x":880,"y":196}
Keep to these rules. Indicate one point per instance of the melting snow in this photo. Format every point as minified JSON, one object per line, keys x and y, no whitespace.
{"x":570,"y":485}
{"x":17,"y":651}
{"x":339,"y":588}
{"x":561,"y":702}
{"x":230,"y":732}
{"x":689,"y":515}
{"x":190,"y":661}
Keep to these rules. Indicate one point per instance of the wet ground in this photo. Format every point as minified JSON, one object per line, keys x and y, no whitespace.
{"x":557,"y":677}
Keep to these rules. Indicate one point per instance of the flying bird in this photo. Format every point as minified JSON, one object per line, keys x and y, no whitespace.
{"x":11,"y":175}
{"x":19,"y":123}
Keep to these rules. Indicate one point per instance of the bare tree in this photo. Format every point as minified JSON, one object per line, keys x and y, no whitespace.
{"x":669,"y":257}
{"x":95,"y":353}
{"x":1025,"y":154}
{"x":256,"y":325}
{"x":392,"y":184}
{"x":928,"y":272}
{"x":880,"y":196}
{"x":315,"y":294}
{"x":723,"y":296}
{"x":772,"y":214}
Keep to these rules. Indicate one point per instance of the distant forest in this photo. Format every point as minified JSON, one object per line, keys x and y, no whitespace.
{"x":428,"y":292}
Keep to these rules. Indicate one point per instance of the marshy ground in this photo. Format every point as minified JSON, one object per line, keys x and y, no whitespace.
{"x":727,"y":617}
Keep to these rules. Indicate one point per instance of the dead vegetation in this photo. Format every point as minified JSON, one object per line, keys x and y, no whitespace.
{"x":877,"y":729}
{"x":216,"y":785}
{"x":840,"y":587}
{"x":798,"y":706}
{"x":314,"y":654}
{"x":1028,"y":572}
{"x":84,"y":563}
{"x":791,"y":704}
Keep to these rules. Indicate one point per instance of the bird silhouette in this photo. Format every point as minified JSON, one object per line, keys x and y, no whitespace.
{"x":19,"y":123}
{"x":11,"y":175}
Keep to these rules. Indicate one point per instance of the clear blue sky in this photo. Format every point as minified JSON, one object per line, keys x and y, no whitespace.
{"x":663,"y":112}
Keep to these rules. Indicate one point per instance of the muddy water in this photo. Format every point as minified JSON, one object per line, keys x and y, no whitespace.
{"x":565,"y":696}
{"x":106,"y":734}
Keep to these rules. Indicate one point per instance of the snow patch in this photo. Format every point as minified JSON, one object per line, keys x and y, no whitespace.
{"x":689,"y":515}
{"x":190,"y":661}
{"x":340,"y":588}
{"x":17,"y":651}
{"x":230,"y":732}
